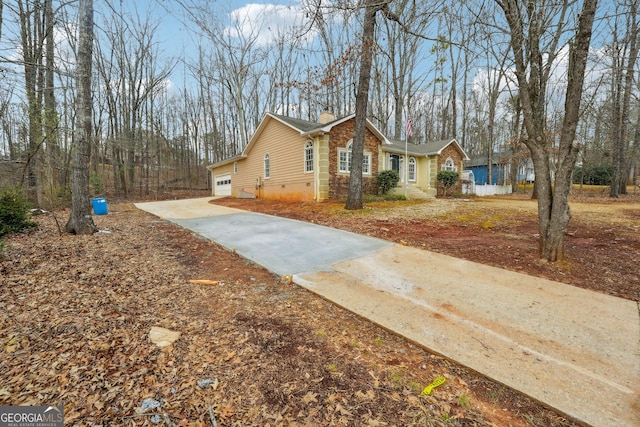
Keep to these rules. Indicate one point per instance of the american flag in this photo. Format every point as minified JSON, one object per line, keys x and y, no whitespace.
{"x":409,"y":129}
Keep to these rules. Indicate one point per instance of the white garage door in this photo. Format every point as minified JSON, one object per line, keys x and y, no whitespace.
{"x":222,"y":185}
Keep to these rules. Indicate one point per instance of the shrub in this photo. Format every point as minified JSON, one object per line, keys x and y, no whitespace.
{"x":14,"y":212}
{"x":593,"y":174}
{"x":387,"y":180}
{"x":447,"y":179}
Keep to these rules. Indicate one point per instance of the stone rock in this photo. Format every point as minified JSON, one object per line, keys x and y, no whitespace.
{"x":163,"y":337}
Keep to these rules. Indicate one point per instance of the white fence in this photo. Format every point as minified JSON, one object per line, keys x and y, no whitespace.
{"x":492,"y":190}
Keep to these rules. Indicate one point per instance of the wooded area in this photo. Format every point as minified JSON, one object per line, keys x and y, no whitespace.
{"x":450,"y":65}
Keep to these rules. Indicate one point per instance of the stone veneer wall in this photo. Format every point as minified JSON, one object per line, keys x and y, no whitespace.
{"x":451,"y":151}
{"x":339,"y":183}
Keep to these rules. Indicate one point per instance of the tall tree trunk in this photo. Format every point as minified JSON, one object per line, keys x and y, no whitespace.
{"x":633,"y":158}
{"x":552,"y":247}
{"x":493,"y":94}
{"x":1,"y":9}
{"x":621,"y":108}
{"x":53,"y":168}
{"x":354,"y":197}
{"x":514,"y":143}
{"x":32,"y":45}
{"x":80,"y":220}
{"x":527,"y":28}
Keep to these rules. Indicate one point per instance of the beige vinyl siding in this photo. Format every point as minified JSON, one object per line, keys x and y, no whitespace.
{"x":287,"y":178}
{"x":422,"y":172}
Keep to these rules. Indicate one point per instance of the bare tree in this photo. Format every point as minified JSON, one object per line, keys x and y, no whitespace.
{"x":493,"y":89}
{"x":400,"y":60}
{"x":132,"y":73}
{"x":535,"y":32}
{"x":80,"y":220}
{"x":52,"y":162}
{"x":238,"y":63}
{"x":459,"y":56}
{"x":35,"y":22}
{"x":517,"y":157}
{"x":624,"y":58}
{"x":372,"y":7}
{"x":32,"y":44}
{"x":216,"y":147}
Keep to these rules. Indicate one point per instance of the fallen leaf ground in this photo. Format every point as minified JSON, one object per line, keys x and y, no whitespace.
{"x":253,"y":351}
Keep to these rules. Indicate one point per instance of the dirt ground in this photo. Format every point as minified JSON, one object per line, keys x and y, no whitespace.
{"x":602,"y":244}
{"x":254,"y":350}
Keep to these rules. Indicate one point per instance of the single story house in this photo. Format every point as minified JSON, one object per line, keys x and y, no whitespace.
{"x":294,"y":159}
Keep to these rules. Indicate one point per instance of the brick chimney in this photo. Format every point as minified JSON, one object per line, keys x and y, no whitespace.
{"x":326,"y":117}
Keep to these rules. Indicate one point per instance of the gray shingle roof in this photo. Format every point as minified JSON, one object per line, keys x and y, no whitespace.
{"x":430,"y":148}
{"x":301,"y":125}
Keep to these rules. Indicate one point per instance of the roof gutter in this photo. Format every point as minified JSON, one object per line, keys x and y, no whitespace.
{"x":226,"y":162}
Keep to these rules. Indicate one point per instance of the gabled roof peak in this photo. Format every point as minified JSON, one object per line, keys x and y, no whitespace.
{"x":428,"y":149}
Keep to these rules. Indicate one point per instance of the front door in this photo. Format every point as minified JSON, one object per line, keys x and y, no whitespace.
{"x":395,"y":163}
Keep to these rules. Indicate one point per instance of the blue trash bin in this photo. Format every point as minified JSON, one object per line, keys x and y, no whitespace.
{"x":100,"y":206}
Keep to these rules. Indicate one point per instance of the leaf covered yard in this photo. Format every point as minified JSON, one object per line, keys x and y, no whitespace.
{"x":77,"y":312}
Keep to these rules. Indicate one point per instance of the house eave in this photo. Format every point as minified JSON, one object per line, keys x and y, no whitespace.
{"x":226,"y":162}
{"x":395,"y":150}
{"x":326,"y":128}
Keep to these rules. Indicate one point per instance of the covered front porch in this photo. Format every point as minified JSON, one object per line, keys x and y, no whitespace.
{"x":417,"y":174}
{"x":417,"y":165}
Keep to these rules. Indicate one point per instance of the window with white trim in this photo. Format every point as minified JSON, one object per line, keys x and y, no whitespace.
{"x":344,"y":160}
{"x":449,"y":165}
{"x":235,"y":167}
{"x":412,"y":169}
{"x":308,"y":157}
{"x":267,"y":166}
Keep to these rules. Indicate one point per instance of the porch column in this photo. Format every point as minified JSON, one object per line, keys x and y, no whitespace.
{"x":322,"y":167}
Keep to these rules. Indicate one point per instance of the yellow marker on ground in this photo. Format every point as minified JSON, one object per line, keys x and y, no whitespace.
{"x":438,"y":381}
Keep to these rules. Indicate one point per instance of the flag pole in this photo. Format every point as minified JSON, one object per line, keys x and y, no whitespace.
{"x":407,"y":134}
{"x":406,"y":163}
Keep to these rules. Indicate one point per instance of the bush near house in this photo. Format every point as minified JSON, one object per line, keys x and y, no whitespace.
{"x":14,"y":212}
{"x":447,"y":179}
{"x":387,"y":180}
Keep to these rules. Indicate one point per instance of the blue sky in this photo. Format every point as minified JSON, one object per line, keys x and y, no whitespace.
{"x":177,"y":36}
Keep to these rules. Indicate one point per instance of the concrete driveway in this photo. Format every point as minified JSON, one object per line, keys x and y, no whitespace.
{"x":575,"y":350}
